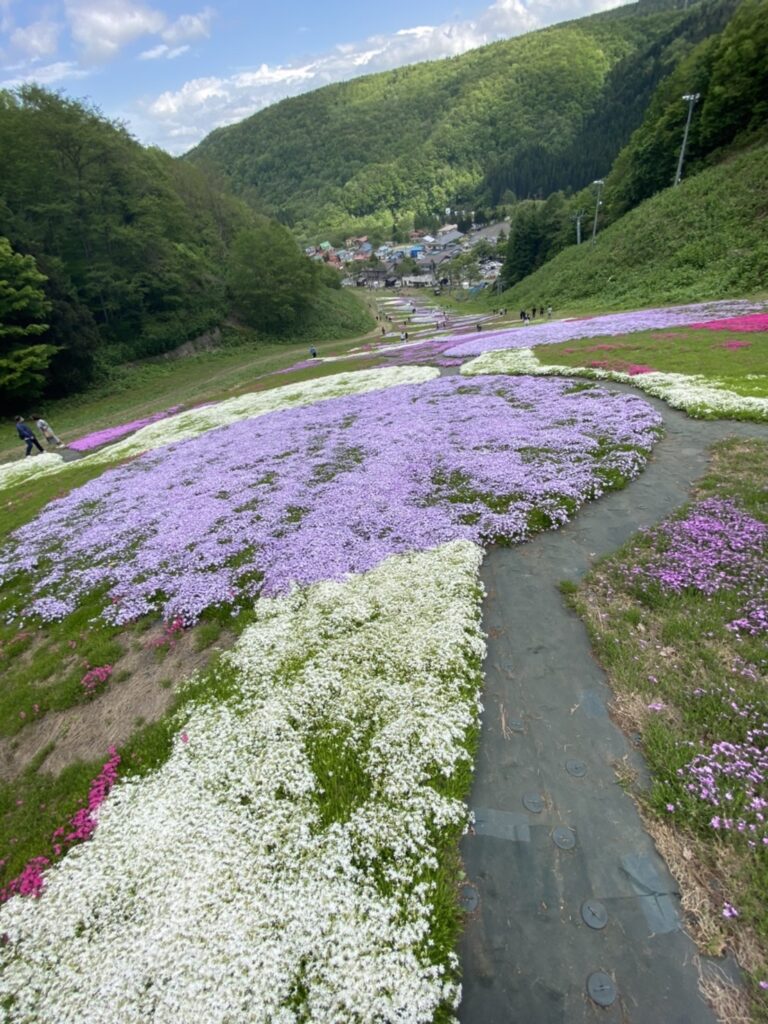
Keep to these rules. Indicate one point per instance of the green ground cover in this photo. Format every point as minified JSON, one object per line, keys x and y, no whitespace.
{"x":736,"y":360}
{"x":702,"y":240}
{"x":684,"y":683}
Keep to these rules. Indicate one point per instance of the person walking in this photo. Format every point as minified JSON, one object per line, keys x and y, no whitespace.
{"x":46,"y":430}
{"x":27,"y":436}
{"x":312,"y":352}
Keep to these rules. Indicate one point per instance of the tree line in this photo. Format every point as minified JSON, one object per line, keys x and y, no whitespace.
{"x":110,"y":251}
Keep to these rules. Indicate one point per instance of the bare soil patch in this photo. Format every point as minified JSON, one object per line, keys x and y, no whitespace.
{"x":113,"y":714}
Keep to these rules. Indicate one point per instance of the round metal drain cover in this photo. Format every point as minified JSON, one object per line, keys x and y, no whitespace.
{"x":576,"y":768}
{"x":563,"y":837}
{"x":469,"y":898}
{"x":594,"y":914}
{"x":601,"y":988}
{"x":533,"y":802}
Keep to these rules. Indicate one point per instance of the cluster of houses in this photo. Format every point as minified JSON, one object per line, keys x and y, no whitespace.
{"x":429,"y":252}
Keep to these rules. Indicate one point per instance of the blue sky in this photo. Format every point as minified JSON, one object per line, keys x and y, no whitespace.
{"x":174,"y":70}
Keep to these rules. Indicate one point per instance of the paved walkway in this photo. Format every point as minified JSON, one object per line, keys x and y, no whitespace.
{"x":554,"y":830}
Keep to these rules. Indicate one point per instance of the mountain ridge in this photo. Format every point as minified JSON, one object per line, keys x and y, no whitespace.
{"x":396,"y":148}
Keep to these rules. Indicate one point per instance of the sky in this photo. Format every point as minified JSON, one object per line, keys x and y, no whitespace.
{"x":174,"y":71}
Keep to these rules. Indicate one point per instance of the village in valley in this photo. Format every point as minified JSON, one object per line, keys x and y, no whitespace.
{"x":471,"y":259}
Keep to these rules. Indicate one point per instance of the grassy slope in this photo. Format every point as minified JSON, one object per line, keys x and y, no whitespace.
{"x":701,"y":352}
{"x":705,"y":239}
{"x":666,"y":647}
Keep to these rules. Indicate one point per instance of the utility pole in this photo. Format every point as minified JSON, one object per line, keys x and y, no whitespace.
{"x":578,"y":218}
{"x":692,"y":99}
{"x":598,"y":203}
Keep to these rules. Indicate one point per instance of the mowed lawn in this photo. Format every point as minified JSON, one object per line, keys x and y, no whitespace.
{"x":736,"y":360}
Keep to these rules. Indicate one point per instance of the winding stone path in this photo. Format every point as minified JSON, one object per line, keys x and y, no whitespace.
{"x":565,"y":888}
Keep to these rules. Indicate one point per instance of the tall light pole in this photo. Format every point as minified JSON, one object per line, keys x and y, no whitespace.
{"x":599,"y":182}
{"x":578,"y":218}
{"x":692,"y":99}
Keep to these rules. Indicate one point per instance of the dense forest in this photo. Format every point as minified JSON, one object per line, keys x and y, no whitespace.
{"x":520,"y":118}
{"x":111,"y":252}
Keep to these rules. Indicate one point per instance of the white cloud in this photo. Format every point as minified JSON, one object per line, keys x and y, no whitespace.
{"x":38,"y":39}
{"x":48,"y":74}
{"x":189,"y":26}
{"x":154,"y":53}
{"x":6,"y":17}
{"x":102,"y":27}
{"x":163,"y":50}
{"x":178,"y":118}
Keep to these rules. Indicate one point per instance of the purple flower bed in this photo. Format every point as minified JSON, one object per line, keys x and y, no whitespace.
{"x":716,"y":546}
{"x":429,"y":352}
{"x":552,"y":332}
{"x":316,"y":492}
{"x":100,"y":437}
{"x":731,"y":775}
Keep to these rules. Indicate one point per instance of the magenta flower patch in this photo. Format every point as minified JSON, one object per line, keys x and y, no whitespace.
{"x":750,"y":322}
{"x":100,"y":437}
{"x":316,"y":492}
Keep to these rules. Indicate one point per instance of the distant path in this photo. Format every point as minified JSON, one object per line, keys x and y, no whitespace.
{"x":545,"y":763}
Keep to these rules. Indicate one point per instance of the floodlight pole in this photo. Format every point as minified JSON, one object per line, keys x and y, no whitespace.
{"x":692,"y":99}
{"x":578,"y":217}
{"x":599,"y":182}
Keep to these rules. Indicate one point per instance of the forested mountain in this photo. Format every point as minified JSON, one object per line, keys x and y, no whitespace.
{"x":523,"y":117}
{"x":728,"y":71}
{"x":111,"y":252}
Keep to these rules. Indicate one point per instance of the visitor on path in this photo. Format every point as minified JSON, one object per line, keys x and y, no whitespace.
{"x":402,"y":335}
{"x":27,"y":436}
{"x":523,"y":315}
{"x":312,"y":352}
{"x":383,"y":331}
{"x":541,"y":311}
{"x":46,"y":430}
{"x":549,"y":312}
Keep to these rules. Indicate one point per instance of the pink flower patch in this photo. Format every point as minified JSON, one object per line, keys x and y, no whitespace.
{"x":94,"y":677}
{"x":636,"y":368}
{"x":751,"y":322}
{"x":81,"y":826}
{"x":733,"y":343}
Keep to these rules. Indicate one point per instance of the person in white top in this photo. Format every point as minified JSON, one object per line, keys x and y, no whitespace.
{"x":46,"y":431}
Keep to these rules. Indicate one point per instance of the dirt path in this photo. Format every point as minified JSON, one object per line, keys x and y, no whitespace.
{"x":554,"y":828}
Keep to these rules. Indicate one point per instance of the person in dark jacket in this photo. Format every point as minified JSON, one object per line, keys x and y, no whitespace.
{"x":27,"y":436}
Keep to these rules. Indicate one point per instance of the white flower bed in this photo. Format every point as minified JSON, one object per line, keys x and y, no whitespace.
{"x":29,"y":467}
{"x":217,"y":889}
{"x":696,"y":395}
{"x":197,"y":421}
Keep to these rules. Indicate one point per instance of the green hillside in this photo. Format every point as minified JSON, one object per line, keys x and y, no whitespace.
{"x":525,"y":116}
{"x":704,"y":239}
{"x":111,"y":252}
